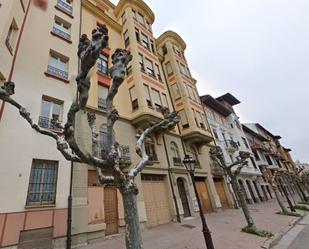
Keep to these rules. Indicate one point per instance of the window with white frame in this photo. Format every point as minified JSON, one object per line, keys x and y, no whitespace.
{"x":183,"y":119}
{"x":169,"y":69}
{"x":65,"y":5}
{"x":175,"y":154}
{"x":126,"y":38}
{"x":137,"y":35}
{"x":51,"y":113}
{"x":164,"y":100}
{"x":11,"y":37}
{"x":145,"y":41}
{"x":156,"y":98}
{"x":102,"y":64}
{"x":58,"y":65}
{"x":200,"y":119}
{"x":133,"y":96}
{"x":123,"y":18}
{"x":141,"y":62}
{"x":134,"y":14}
{"x":158,"y":73}
{"x":149,"y":67}
{"x":102,"y":95}
{"x":147,"y":95}
{"x":140,"y":18}
{"x":175,"y":91}
{"x":152,"y":47}
{"x":42,"y":183}
{"x":62,"y":28}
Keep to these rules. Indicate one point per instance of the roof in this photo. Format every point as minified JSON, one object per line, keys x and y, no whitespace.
{"x":253,"y":133}
{"x":173,"y":35}
{"x":211,"y":102}
{"x":229,"y":98}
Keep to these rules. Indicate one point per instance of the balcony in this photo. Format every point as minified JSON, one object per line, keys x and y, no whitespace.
{"x":102,"y":69}
{"x":177,"y":161}
{"x":231,"y":146}
{"x":125,"y":156}
{"x":102,"y":104}
{"x":61,"y":33}
{"x":52,"y":124}
{"x":57,"y":72}
{"x":63,"y":5}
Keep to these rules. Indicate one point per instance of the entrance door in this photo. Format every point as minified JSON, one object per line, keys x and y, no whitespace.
{"x":203,"y":194}
{"x":111,"y":210}
{"x":183,"y":197}
{"x":221,"y":192}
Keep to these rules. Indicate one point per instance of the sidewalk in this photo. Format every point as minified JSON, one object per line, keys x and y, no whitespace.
{"x":225,"y":227}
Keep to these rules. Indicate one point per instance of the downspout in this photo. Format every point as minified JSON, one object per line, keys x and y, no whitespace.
{"x":15,"y":54}
{"x":171,"y":182}
{"x":69,"y":220}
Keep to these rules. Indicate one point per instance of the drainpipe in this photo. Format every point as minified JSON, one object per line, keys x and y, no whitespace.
{"x":69,"y":220}
{"x":16,"y":52}
{"x":171,"y":182}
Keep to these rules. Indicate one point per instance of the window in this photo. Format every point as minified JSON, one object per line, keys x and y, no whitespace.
{"x":164,"y":50}
{"x":223,"y":135}
{"x":133,"y":96}
{"x":150,"y":149}
{"x":245,"y":142}
{"x":189,"y":73}
{"x":141,"y":62}
{"x":209,"y":114}
{"x":42,"y":183}
{"x":102,"y":64}
{"x":149,"y":67}
{"x":169,"y":69}
{"x":58,"y":65}
{"x":197,"y":97}
{"x":195,"y":118}
{"x":11,"y":37}
{"x":148,"y":26}
{"x":200,"y":120}
{"x":103,"y":141}
{"x":195,"y":156}
{"x":152,"y":48}
{"x":177,"y":51}
{"x":103,"y":91}
{"x":62,"y":28}
{"x":134,"y":14}
{"x":145,"y":41}
{"x":175,"y":91}
{"x":256,"y":155}
{"x":253,"y":162}
{"x":65,"y":5}
{"x":126,"y":38}
{"x":183,"y":119}
{"x":215,"y":133}
{"x":140,"y":18}
{"x":138,"y":38}
{"x":51,"y":113}
{"x":164,"y":100}
{"x":123,"y":18}
{"x":182,"y":68}
{"x":175,"y":154}
{"x":158,"y":73}
{"x":268,"y":160}
{"x":156,"y":98}
{"x":147,"y":95}
{"x":190,"y":92}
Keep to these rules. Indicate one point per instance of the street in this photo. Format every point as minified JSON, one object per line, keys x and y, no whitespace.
{"x":225,"y":227}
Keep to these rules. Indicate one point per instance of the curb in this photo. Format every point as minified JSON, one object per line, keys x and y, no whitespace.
{"x":277,"y":237}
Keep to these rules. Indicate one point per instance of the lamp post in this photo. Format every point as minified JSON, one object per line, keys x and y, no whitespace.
{"x":190,"y":163}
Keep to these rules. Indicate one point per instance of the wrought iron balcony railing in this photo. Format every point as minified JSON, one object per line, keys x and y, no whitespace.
{"x":48,"y":124}
{"x":65,"y":6}
{"x":102,"y":69}
{"x":102,"y":104}
{"x":177,"y":161}
{"x":57,"y":72}
{"x":61,"y":33}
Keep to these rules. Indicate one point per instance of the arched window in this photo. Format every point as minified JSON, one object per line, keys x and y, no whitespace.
{"x":175,"y":154}
{"x":151,"y":149}
{"x":103,"y":140}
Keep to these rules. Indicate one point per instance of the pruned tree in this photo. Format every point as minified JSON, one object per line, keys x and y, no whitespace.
{"x":109,"y":169}
{"x":272,"y":179}
{"x":233,"y":170}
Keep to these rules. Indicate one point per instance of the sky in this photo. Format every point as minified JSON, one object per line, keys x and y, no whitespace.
{"x":258,"y":50}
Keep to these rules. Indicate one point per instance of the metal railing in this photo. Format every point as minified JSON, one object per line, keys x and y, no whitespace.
{"x":48,"y":124}
{"x":57,"y":72}
{"x":177,"y":161}
{"x":65,"y":6}
{"x":61,"y":33}
{"x":102,"y":104}
{"x":102,"y":69}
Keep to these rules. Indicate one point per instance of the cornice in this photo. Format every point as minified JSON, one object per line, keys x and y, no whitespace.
{"x":171,"y":35}
{"x":99,"y":13}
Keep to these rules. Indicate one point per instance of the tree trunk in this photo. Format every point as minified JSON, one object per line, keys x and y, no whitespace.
{"x":242,"y":201}
{"x":133,"y":230}
{"x":283,"y":208}
{"x":302,"y":192}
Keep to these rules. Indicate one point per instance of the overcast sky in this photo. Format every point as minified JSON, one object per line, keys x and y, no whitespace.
{"x":258,"y":50}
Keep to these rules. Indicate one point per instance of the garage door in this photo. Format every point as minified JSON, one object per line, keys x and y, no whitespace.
{"x":203,"y":194}
{"x":221,"y":192}
{"x":156,"y":200}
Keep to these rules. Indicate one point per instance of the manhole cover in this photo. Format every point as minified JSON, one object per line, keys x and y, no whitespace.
{"x":188,"y":226}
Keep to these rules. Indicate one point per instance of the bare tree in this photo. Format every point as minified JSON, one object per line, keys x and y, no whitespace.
{"x":118,"y":175}
{"x":216,"y":155}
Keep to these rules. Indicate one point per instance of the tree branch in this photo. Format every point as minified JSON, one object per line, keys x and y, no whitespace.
{"x":104,"y":179}
{"x":169,"y":121}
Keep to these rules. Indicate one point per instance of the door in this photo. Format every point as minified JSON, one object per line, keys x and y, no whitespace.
{"x":111,"y":210}
{"x":156,"y":200}
{"x":203,"y":194}
{"x":221,"y":192}
{"x":183,"y":197}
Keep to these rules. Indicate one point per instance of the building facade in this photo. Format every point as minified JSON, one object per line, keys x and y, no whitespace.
{"x":230,"y":136}
{"x":158,"y":76}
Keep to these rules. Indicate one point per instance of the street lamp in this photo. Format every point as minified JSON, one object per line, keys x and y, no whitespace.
{"x":190,"y":163}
